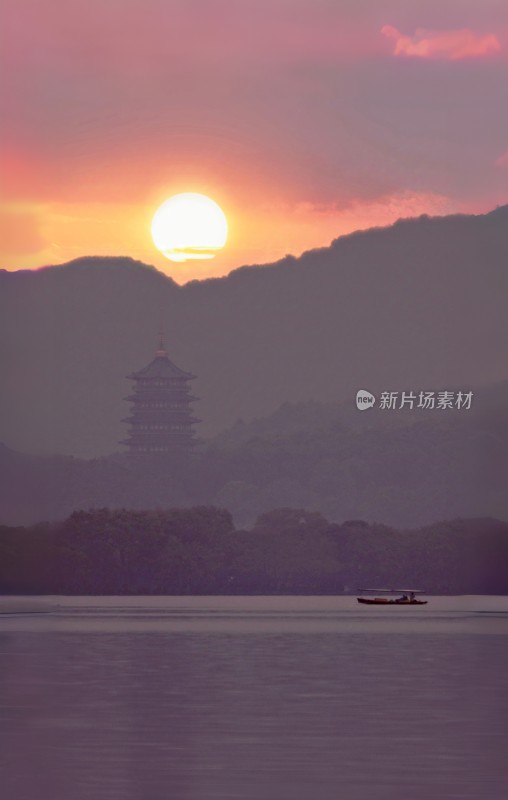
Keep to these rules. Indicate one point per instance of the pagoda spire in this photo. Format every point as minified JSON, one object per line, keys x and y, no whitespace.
{"x":161,"y":350}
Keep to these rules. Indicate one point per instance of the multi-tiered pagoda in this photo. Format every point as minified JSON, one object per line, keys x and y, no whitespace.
{"x":161,"y":417}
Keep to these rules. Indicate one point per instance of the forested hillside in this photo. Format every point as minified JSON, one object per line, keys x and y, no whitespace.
{"x":288,"y":551}
{"x":400,"y":469}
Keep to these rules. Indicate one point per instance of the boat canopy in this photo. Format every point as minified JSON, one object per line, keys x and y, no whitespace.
{"x":394,"y":591}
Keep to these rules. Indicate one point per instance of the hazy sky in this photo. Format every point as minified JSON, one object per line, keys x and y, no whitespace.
{"x":303,"y":119}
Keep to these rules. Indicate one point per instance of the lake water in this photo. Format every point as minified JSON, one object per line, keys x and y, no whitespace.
{"x":260,"y":698}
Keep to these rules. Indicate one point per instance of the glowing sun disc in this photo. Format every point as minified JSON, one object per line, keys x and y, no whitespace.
{"x":189,"y":226}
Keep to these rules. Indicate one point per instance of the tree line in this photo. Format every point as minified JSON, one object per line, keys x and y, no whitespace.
{"x":288,"y":551}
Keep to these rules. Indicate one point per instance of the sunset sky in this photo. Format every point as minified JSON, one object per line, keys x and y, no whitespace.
{"x":303,"y":119}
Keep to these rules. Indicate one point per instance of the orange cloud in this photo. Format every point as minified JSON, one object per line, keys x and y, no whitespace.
{"x":449,"y":45}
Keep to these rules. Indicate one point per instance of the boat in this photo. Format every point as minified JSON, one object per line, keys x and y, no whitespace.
{"x":407,"y":597}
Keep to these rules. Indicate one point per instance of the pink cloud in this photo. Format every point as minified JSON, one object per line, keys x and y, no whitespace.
{"x":502,"y":161}
{"x":450,"y":45}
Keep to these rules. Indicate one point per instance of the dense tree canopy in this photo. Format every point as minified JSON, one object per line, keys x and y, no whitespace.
{"x":287,"y":551}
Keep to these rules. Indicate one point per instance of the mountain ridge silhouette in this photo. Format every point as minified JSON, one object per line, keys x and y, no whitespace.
{"x":416,"y":305}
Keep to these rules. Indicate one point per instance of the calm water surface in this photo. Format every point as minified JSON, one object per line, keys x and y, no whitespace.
{"x":266,"y":698}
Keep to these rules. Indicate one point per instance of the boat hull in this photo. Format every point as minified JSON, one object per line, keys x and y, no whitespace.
{"x":382,"y":601}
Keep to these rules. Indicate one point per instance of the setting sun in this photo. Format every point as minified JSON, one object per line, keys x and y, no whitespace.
{"x":189,"y":226}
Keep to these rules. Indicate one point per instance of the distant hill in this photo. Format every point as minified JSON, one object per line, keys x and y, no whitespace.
{"x":418,"y":305}
{"x":402,"y":470}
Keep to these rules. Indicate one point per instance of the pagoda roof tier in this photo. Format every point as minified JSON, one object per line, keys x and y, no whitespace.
{"x":140,"y":446}
{"x":156,"y":416}
{"x":161,"y":395}
{"x":161,"y":367}
{"x":158,"y":442}
{"x":152,"y":418}
{"x":137,"y":442}
{"x":159,"y":437}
